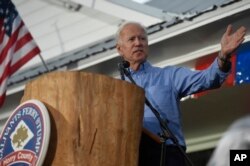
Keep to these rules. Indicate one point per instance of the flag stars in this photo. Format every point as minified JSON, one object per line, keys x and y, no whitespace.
{"x":7,"y":28}
{"x":239,"y":73}
{"x":8,"y":13}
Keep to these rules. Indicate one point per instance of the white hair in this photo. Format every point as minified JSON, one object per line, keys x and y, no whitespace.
{"x":123,"y":25}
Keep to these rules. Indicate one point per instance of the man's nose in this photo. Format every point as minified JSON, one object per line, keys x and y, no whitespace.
{"x":138,"y":41}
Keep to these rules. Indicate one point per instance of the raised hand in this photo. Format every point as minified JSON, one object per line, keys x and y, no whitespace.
{"x":230,"y":41}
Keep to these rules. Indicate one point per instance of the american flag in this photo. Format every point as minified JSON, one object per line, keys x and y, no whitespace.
{"x":16,"y":44}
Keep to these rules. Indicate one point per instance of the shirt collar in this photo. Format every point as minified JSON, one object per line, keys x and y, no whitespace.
{"x":143,"y":68}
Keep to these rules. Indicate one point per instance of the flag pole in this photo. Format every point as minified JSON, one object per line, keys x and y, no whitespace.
{"x":44,"y":64}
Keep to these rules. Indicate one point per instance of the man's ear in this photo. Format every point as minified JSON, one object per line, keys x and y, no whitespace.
{"x":118,"y":48}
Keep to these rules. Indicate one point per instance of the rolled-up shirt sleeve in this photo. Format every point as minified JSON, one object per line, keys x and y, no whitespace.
{"x":187,"y":81}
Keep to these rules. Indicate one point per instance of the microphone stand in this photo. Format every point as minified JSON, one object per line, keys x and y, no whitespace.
{"x":120,"y":67}
{"x":166,"y":132}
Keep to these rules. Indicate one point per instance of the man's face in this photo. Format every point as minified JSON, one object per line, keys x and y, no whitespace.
{"x":133,"y":44}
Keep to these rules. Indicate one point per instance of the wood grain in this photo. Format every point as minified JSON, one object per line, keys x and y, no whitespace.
{"x":95,"y":120}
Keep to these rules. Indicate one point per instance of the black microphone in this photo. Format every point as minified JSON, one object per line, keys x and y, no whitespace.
{"x":125,"y":64}
{"x":122,"y":66}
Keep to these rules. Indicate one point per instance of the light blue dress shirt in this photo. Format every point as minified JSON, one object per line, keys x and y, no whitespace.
{"x":164,"y":87}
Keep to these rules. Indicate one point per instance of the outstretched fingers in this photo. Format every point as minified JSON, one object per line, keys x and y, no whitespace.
{"x":239,"y":34}
{"x":229,"y":30}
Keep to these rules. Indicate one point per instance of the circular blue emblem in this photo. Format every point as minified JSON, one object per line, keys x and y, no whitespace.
{"x":25,"y":136}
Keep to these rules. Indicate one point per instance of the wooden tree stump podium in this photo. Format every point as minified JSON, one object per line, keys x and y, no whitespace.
{"x":95,"y":120}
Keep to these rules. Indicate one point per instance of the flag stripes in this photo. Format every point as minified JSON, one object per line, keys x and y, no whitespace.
{"x":16,"y":44}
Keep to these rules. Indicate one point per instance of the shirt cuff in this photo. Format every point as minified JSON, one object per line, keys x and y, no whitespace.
{"x":216,"y":63}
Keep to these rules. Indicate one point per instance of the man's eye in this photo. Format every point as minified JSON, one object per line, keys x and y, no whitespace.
{"x":130,"y":39}
{"x":143,"y":38}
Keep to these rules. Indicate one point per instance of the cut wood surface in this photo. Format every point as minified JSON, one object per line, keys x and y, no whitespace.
{"x":95,"y":120}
